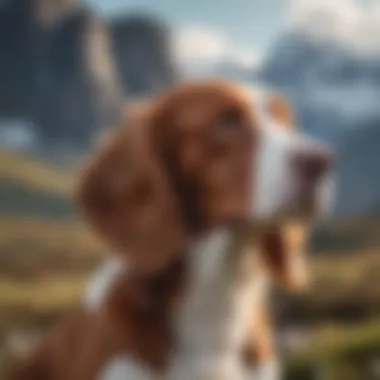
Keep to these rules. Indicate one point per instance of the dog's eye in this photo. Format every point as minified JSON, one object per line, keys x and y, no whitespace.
{"x":229,"y":119}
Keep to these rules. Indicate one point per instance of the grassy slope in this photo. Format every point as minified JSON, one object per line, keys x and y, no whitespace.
{"x":44,"y":264}
{"x":44,"y":258}
{"x":29,"y":187}
{"x":33,"y":174}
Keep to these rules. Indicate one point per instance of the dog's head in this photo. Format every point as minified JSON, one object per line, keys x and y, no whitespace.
{"x":200,"y":156}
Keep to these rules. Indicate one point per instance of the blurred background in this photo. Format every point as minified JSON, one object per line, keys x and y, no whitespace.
{"x":67,"y":69}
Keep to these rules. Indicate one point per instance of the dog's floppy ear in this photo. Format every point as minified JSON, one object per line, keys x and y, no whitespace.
{"x":283,"y":251}
{"x":124,"y":194}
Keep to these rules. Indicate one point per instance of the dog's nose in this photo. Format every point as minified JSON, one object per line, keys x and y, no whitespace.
{"x":311,"y":165}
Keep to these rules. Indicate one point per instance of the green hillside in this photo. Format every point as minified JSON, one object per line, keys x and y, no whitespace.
{"x":34,"y":174}
{"x":32,"y":188}
{"x":46,"y":257}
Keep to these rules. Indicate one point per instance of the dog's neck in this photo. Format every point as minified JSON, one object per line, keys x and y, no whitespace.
{"x":218,"y":305}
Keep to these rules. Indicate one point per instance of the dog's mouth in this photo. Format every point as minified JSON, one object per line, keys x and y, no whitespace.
{"x":312,"y":186}
{"x":310,"y":202}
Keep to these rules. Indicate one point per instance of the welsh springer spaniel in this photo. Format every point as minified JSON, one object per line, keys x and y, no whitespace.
{"x":169,"y":192}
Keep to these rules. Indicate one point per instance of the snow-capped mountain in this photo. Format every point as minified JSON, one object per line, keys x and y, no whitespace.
{"x":335,"y":92}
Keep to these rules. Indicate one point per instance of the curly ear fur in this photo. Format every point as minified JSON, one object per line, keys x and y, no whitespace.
{"x":125,"y":195}
{"x":284,"y":258}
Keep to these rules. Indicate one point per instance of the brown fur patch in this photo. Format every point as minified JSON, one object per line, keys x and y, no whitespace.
{"x":175,"y":168}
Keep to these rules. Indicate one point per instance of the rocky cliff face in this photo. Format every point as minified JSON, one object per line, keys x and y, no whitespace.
{"x":68,"y":71}
{"x":17,"y":36}
{"x":141,"y":48}
{"x":75,"y":82}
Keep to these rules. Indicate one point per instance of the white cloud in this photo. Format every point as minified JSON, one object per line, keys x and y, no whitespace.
{"x":353,"y":24}
{"x":206,"y":47}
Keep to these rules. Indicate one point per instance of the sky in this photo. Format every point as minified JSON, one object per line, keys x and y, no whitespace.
{"x":243,"y":30}
{"x":247,"y":22}
{"x":247,"y":25}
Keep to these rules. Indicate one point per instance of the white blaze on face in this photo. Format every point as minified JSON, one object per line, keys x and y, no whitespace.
{"x":275,"y":184}
{"x":272,"y":184}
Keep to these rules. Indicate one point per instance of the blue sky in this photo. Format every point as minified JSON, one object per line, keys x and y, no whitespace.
{"x":251,"y":24}
{"x":241,"y":31}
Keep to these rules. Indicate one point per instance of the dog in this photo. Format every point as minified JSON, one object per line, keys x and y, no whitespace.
{"x":169,"y":191}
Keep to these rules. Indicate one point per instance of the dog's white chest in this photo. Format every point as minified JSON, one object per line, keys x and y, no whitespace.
{"x":212,"y":320}
{"x":125,"y":368}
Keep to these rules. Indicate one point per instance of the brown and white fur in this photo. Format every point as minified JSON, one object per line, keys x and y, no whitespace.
{"x":169,"y":192}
